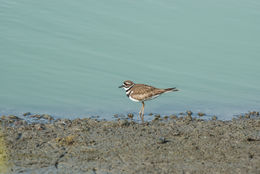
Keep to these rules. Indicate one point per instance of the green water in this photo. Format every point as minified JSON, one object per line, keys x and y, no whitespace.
{"x":67,"y":58}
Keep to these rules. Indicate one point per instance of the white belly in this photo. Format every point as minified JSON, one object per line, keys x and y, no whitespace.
{"x":133,"y":99}
{"x":153,"y":97}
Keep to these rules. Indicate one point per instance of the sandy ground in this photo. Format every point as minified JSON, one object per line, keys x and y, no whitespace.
{"x":178,"y":145}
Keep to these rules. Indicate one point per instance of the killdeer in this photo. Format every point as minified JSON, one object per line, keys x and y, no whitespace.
{"x":142,"y":92}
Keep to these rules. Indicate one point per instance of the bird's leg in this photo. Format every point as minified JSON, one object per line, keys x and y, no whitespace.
{"x":142,"y":111}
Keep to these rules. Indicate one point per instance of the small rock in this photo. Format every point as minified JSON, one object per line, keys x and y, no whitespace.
{"x":47,"y":117}
{"x":253,"y":113}
{"x":36,"y":116}
{"x":13,"y":117}
{"x":188,"y":118}
{"x":189,"y":112}
{"x":247,"y":116}
{"x":123,"y":123}
{"x":18,"y":136}
{"x":214,"y":117}
{"x":157,"y":116}
{"x":130,"y":115}
{"x":201,"y":114}
{"x":11,"y":121}
{"x":68,"y":140}
{"x":166,"y":117}
{"x":150,"y":114}
{"x":27,"y":113}
{"x":162,"y":140}
{"x":176,"y":133}
{"x":20,"y":123}
{"x":116,"y":115}
{"x":3,"y":117}
{"x":173,"y":117}
{"x":39,"y":126}
{"x":180,"y":118}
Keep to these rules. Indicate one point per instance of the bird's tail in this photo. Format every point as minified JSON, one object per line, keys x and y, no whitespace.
{"x":171,"y":89}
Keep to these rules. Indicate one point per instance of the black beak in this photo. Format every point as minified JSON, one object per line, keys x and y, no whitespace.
{"x":121,"y":86}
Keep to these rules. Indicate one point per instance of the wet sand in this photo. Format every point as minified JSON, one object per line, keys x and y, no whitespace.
{"x":178,"y":145}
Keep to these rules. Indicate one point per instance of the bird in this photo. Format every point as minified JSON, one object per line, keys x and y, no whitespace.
{"x":142,"y":93}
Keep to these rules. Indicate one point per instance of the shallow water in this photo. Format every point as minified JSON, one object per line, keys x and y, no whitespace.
{"x":68,"y":58}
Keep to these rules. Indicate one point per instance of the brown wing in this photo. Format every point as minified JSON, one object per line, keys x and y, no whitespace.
{"x":144,"y":92}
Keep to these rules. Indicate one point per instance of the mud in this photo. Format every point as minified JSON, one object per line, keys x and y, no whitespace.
{"x":164,"y":145}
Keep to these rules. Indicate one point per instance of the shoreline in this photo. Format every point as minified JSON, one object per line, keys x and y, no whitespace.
{"x":37,"y":117}
{"x":172,"y":145}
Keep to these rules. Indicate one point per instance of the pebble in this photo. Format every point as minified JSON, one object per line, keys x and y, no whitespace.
{"x":180,"y":118}
{"x":13,"y":117}
{"x":20,"y":123}
{"x":3,"y":117}
{"x":201,"y":114}
{"x":214,"y":117}
{"x":157,"y":116}
{"x":11,"y":121}
{"x":247,"y":116}
{"x":123,"y":123}
{"x":173,"y":117}
{"x":27,"y":113}
{"x":116,"y":115}
{"x":130,"y":115}
{"x":189,"y":112}
{"x":162,"y":140}
{"x":252,"y":113}
{"x":188,"y":118}
{"x":47,"y":117}
{"x":166,"y":117}
{"x":36,"y":116}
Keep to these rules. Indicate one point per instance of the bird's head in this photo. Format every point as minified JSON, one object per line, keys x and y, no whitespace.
{"x":127,"y":84}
